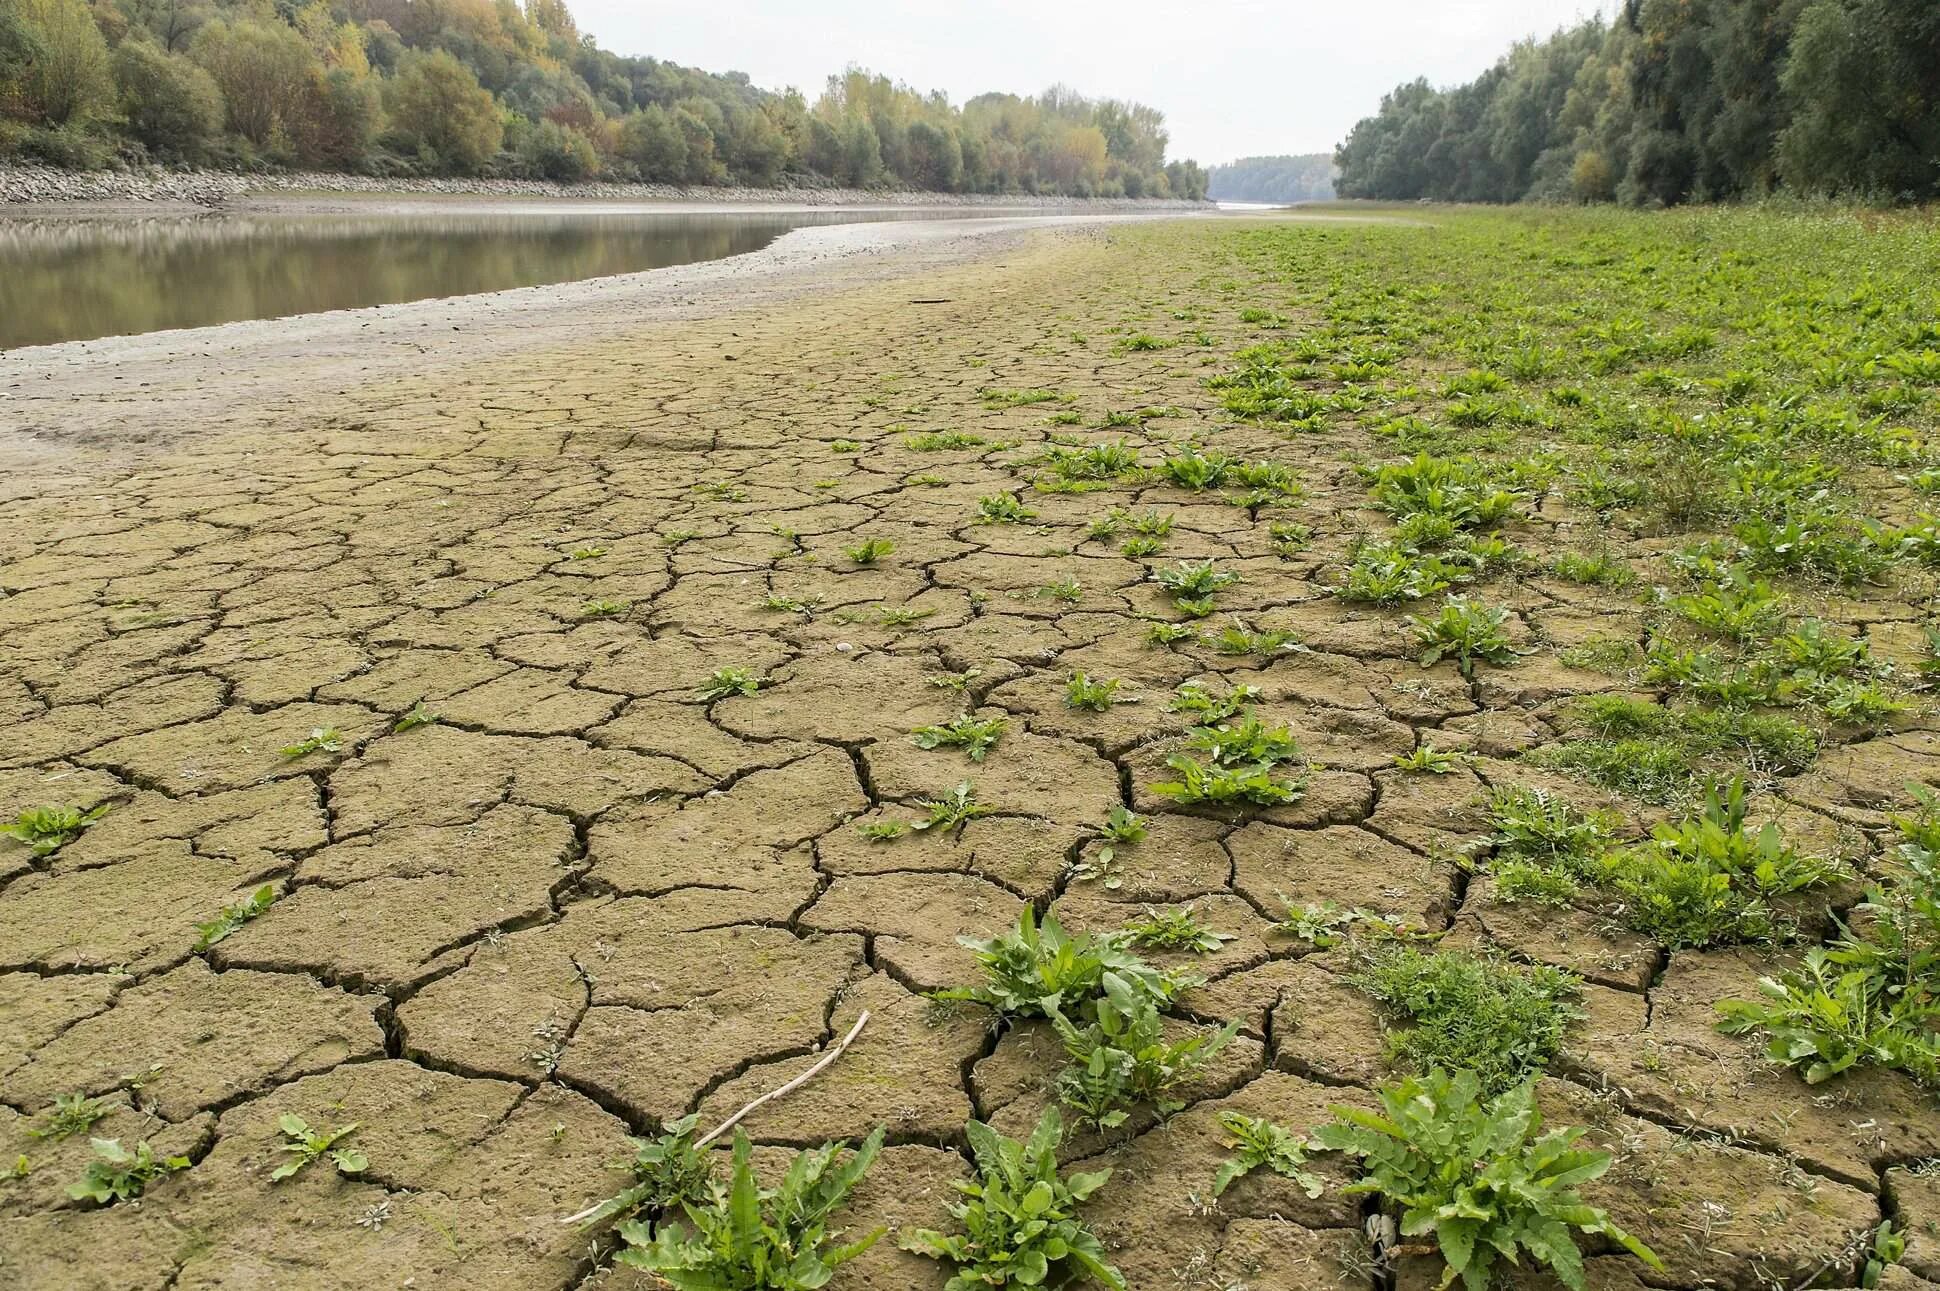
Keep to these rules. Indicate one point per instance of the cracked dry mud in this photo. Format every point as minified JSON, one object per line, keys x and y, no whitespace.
{"x":585,"y":901}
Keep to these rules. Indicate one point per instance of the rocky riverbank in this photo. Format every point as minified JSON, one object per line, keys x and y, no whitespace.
{"x":41,"y":184}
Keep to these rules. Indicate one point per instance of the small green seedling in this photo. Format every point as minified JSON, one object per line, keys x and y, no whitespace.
{"x":1068,"y":590}
{"x":304,"y":1145}
{"x":234,"y":917}
{"x":869,"y":550}
{"x":1176,"y":928}
{"x":1122,"y":827}
{"x":883,"y":831}
{"x":71,"y":1114}
{"x":1019,"y":1217}
{"x":1463,"y":631}
{"x":1089,"y":695}
{"x":603,"y":609}
{"x":1432,"y":760}
{"x":418,"y":716}
{"x":116,"y":1174}
{"x":322,"y":739}
{"x":976,"y":736}
{"x":723,"y":682}
{"x":952,"y":811}
{"x":668,"y":1171}
{"x":1259,"y":1143}
{"x":46,"y":830}
{"x":846,"y":446}
{"x":1003,"y":508}
{"x":586,"y":553}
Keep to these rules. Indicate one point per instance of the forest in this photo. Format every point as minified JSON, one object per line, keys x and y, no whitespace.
{"x":493,"y":87}
{"x":1308,"y":177}
{"x":1676,"y":101}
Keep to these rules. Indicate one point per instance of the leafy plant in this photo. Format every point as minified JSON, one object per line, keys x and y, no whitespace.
{"x":952,"y":811}
{"x":1122,"y":1057}
{"x":1461,"y":1012}
{"x":1035,"y":968}
{"x":668,"y":1171}
{"x":1475,"y":1177}
{"x":1003,"y":508}
{"x":976,"y":736}
{"x":45,"y":830}
{"x":305,"y":1145}
{"x":418,"y":716}
{"x":71,"y":1114}
{"x":869,"y":550}
{"x":758,"y":1239}
{"x":1258,"y":1143}
{"x":1465,"y":632}
{"x":1189,"y":580}
{"x":322,"y":739}
{"x":1197,"y":471}
{"x":883,"y":831}
{"x":603,"y":609}
{"x":1175,"y":928}
{"x":1094,"y":695}
{"x":1206,"y":708}
{"x":1238,"y":639}
{"x":116,"y":1174}
{"x":1427,"y":758}
{"x":1020,"y":1226}
{"x":1707,"y":880}
{"x":1122,"y":827}
{"x":234,"y":917}
{"x":723,"y":682}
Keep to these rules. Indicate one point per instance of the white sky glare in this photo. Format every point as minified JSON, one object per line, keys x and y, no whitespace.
{"x":1234,"y":78}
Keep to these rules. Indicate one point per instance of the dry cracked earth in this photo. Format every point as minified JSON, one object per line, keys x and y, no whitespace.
{"x":584,"y":901}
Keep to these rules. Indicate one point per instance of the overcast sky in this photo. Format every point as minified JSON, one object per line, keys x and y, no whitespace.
{"x":1234,"y":78}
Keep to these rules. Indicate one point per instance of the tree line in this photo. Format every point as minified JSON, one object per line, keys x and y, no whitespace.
{"x":1676,"y":101}
{"x":496,"y":87}
{"x":1307,"y":177}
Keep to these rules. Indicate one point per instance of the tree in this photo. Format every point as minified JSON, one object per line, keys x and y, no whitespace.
{"x":170,"y":104}
{"x":556,"y":152}
{"x":53,"y":63}
{"x":650,"y":140}
{"x":1863,"y":86}
{"x":440,"y":111}
{"x":861,"y":160}
{"x":264,"y":71}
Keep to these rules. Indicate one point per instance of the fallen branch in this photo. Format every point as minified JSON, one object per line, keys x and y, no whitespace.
{"x":792,"y":1085}
{"x":728,"y":1124}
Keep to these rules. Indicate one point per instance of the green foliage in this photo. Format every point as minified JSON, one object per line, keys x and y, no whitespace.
{"x":418,"y":716}
{"x":304,"y":1145}
{"x":1872,"y":998}
{"x":1033,"y":970}
{"x":1465,"y":632}
{"x":603,"y":609}
{"x":668,"y":1172}
{"x":730,"y":680}
{"x":1175,"y":928}
{"x":1091,"y":694}
{"x":234,"y":917}
{"x":883,"y":831}
{"x":976,"y":736}
{"x":1258,"y":1143}
{"x":170,"y":105}
{"x":1208,"y":709}
{"x":1003,"y":508}
{"x":1431,"y":760}
{"x":1242,"y":764}
{"x":116,"y":1174}
{"x":869,"y":550}
{"x":758,"y":1239}
{"x":1019,"y":1217}
{"x":321,"y":739}
{"x":952,"y":811}
{"x":45,"y":830}
{"x":1475,"y":1177}
{"x":1189,"y":580}
{"x":1500,"y":1021}
{"x":1708,"y":880}
{"x":1122,"y":827}
{"x":1122,"y":1057}
{"x":71,"y":1114}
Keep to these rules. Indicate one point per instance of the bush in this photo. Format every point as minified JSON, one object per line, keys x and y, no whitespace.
{"x":170,"y":104}
{"x":559,"y":153}
{"x":53,"y":64}
{"x":440,"y":111}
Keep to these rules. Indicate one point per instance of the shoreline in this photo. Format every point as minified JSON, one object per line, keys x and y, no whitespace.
{"x":95,"y":393}
{"x":43,"y":190}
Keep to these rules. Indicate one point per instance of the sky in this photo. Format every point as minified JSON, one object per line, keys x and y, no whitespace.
{"x":1235,"y":78}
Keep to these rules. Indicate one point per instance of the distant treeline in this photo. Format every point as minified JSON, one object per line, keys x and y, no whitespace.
{"x":1305,"y":178}
{"x":1676,"y":101}
{"x":496,"y":87}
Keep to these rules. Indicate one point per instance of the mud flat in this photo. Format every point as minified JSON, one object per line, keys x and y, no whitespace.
{"x":418,"y":616}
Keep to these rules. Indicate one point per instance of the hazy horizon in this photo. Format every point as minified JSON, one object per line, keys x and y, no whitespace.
{"x":1242,"y":78}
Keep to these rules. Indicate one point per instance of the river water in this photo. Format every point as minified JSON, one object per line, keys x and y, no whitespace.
{"x":68,"y":279}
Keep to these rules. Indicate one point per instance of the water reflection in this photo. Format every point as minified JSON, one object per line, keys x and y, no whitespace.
{"x":66,"y":280}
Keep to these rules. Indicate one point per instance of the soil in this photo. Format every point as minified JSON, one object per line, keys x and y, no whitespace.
{"x":585,"y":900}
